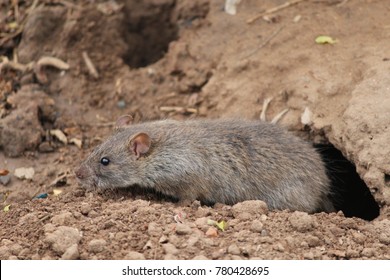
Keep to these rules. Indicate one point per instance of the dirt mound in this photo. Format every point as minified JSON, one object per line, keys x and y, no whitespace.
{"x":70,"y":68}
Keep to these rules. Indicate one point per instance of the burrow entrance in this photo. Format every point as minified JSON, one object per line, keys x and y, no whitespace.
{"x":349,"y":192}
{"x":150,"y":26}
{"x":148,"y":31}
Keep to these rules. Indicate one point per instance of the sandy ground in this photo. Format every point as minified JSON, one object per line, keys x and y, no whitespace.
{"x":180,"y":60}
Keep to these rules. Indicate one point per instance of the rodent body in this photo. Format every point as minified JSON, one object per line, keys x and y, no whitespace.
{"x":224,"y":161}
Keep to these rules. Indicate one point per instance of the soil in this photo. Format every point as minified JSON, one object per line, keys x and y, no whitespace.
{"x":190,"y":59}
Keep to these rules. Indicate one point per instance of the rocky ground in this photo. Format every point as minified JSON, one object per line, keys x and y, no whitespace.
{"x":69,"y":69}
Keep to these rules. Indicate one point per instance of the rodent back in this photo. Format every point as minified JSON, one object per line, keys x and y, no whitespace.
{"x":230,"y":161}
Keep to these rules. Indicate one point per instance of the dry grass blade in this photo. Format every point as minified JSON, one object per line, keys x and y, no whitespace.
{"x":274,"y":10}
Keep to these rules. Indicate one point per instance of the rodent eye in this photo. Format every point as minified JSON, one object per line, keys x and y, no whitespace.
{"x":105,"y":161}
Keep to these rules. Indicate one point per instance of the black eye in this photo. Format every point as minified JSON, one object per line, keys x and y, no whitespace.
{"x":105,"y":161}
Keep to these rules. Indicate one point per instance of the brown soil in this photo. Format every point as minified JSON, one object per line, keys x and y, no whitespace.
{"x":189,"y":59}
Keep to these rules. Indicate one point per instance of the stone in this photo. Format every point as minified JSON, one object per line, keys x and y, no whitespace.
{"x":200,"y":257}
{"x":72,"y":253}
{"x":183,"y":229}
{"x":170,"y":249}
{"x":233,"y":249}
{"x":154,"y":229}
{"x":63,"y":238}
{"x":302,"y":221}
{"x":257,"y":226}
{"x":250,"y":207}
{"x":62,"y":219}
{"x":96,"y":245}
{"x":133,"y":255}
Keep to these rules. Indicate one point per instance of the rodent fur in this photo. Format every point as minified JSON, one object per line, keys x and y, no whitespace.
{"x":224,"y":161}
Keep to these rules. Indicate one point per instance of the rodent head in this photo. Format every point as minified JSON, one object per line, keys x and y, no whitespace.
{"x":116,"y":162}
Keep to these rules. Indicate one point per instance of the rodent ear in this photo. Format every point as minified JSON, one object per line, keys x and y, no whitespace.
{"x":140,"y":144}
{"x":123,"y":121}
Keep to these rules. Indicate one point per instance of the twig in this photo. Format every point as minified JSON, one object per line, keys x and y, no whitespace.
{"x":178,"y":109}
{"x":53,"y":62}
{"x":273,"y":10}
{"x":266,"y":41}
{"x":279,"y":116}
{"x":16,"y":10}
{"x":91,"y":68}
{"x":13,"y":65}
{"x":264,"y":110}
{"x":5,"y":36}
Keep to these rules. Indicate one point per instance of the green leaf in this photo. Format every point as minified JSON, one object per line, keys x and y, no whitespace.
{"x":325,"y":40}
{"x":6,"y":208}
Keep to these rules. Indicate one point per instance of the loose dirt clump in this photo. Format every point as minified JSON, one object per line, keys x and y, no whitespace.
{"x":190,"y":59}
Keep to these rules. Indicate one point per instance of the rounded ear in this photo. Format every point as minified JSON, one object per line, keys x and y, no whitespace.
{"x":123,"y":121}
{"x":140,"y":144}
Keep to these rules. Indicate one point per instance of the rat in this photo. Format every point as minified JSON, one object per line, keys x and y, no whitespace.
{"x":225,"y":161}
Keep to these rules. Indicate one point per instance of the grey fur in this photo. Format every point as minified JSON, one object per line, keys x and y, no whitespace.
{"x":225,"y":161}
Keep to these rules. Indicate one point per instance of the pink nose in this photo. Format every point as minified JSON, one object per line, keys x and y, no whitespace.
{"x":80,"y":174}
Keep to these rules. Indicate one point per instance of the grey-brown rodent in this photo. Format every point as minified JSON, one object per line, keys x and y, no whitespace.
{"x":224,"y":161}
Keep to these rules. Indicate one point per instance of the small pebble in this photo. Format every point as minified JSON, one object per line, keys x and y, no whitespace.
{"x":62,"y":238}
{"x":62,"y":219}
{"x":336,"y":253}
{"x":212,"y":232}
{"x":24,"y":173}
{"x":170,"y":249}
{"x":183,"y":229}
{"x":350,"y":253}
{"x":279,"y":247}
{"x":368,"y":252}
{"x":96,"y":245}
{"x":154,"y":229}
{"x":133,"y":255}
{"x":313,"y":241}
{"x":251,"y":207}
{"x":384,"y":238}
{"x":72,"y":253}
{"x":163,"y":239}
{"x":149,"y":245}
{"x":5,"y":179}
{"x":233,"y":249}
{"x":121,"y":104}
{"x":85,"y":208}
{"x":358,"y":237}
{"x":302,"y":221}
{"x":257,"y":226}
{"x":170,"y":257}
{"x":200,"y":257}
{"x":45,"y":147}
{"x":308,"y":256}
{"x":28,"y":219}
{"x":4,"y":253}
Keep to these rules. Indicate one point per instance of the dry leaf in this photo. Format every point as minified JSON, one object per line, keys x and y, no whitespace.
{"x":76,"y":142}
{"x":3,"y":172}
{"x":59,"y":135}
{"x":57,"y":192}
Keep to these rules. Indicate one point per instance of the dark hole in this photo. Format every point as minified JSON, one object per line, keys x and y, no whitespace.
{"x":149,"y":30}
{"x":387,"y":179}
{"x":349,"y":192}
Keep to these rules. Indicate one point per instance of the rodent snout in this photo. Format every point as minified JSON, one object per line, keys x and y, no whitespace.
{"x":81,"y":172}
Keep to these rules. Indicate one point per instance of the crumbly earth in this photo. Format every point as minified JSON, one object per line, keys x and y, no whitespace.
{"x":186,"y":59}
